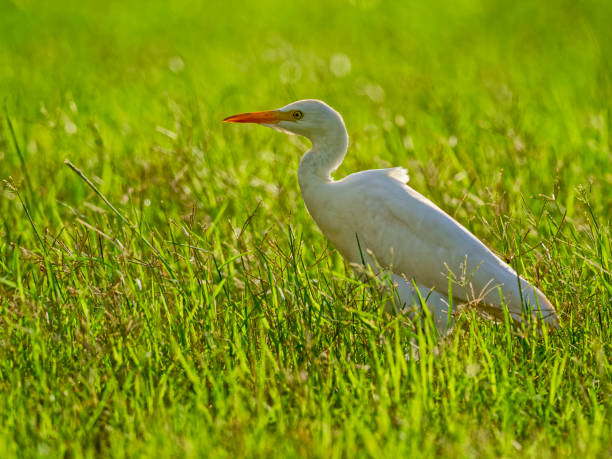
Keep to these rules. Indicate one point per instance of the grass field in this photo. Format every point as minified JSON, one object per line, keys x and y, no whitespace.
{"x":200,"y":312}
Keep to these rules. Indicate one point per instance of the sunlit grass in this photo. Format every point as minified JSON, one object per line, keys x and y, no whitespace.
{"x":207,"y":315}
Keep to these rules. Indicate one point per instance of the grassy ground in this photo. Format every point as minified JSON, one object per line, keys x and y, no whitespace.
{"x":207,"y":315}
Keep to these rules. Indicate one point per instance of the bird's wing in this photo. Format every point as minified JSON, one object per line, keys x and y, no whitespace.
{"x":407,"y":231}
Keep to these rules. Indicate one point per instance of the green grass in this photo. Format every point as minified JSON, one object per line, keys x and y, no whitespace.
{"x":209,"y":316}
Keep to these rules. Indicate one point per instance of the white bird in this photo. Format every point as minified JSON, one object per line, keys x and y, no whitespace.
{"x":374,"y":217}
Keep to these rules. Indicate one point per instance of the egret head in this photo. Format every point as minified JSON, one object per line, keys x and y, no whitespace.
{"x":310,"y":118}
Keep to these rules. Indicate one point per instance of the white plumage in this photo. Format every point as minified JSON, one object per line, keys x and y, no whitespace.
{"x":374,"y":216}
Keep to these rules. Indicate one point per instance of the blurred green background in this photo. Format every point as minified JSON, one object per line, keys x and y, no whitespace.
{"x":522,"y":85}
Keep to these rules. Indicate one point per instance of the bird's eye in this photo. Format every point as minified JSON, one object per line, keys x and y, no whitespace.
{"x":297,"y":114}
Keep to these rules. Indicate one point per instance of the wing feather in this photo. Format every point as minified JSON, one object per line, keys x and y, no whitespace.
{"x":409,"y":233}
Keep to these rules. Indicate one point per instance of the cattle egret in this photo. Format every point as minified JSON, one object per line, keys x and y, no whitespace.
{"x":374,"y":218}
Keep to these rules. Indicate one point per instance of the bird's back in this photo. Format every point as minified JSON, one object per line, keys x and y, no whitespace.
{"x":375,"y":215}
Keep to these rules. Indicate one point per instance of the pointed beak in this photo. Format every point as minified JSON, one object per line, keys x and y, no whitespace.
{"x":267,"y":117}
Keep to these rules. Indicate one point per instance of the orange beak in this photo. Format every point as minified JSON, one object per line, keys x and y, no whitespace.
{"x":267,"y":117}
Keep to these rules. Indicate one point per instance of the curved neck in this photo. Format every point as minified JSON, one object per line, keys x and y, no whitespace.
{"x":327,"y":153}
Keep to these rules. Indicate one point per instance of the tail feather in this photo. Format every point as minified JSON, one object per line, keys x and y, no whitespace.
{"x":524,"y":298}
